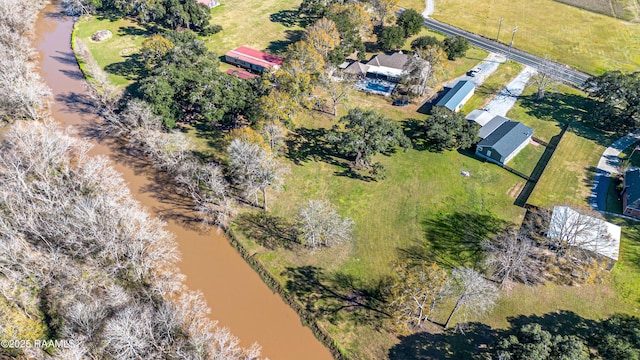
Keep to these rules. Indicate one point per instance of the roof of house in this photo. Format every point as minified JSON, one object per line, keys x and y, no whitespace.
{"x":491,"y":126}
{"x":242,"y":74}
{"x":507,"y":137}
{"x":632,"y":188}
{"x":454,"y":97}
{"x":481,"y":117}
{"x":357,"y":68}
{"x":254,"y":56}
{"x":587,"y":230}
{"x":394,"y":61}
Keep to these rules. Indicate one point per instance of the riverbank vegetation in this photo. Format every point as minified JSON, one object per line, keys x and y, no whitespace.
{"x":394,"y":217}
{"x":85,"y":270}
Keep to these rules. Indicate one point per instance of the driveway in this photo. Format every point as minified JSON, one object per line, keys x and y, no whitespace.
{"x":607,"y":166}
{"x":504,"y":101}
{"x":487,"y":67}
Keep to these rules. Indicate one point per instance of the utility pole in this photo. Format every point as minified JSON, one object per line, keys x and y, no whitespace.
{"x":499,"y":27}
{"x":513,"y":34}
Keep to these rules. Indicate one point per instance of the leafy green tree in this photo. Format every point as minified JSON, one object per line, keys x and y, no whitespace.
{"x":425,"y":41}
{"x":447,"y":130}
{"x":391,"y":38}
{"x":618,"y":97}
{"x":619,"y":338}
{"x":186,"y":86}
{"x":153,"y":49}
{"x":411,"y":21}
{"x":534,"y":343}
{"x":455,"y":47}
{"x":349,"y":26}
{"x":365,"y":133}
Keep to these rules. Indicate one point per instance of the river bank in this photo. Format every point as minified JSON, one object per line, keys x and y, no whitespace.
{"x":237,"y":296}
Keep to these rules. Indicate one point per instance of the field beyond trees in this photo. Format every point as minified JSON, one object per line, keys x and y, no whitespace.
{"x":587,"y":41}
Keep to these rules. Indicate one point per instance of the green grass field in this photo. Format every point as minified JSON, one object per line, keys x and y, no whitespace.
{"x":116,"y":55}
{"x":265,"y":25}
{"x":585,"y":40}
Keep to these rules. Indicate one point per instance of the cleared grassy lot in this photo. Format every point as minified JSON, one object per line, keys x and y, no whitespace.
{"x":585,"y":40}
{"x":265,"y":25}
{"x":118,"y":54}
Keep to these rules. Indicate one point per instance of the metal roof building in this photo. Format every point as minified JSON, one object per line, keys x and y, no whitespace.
{"x":504,"y":142}
{"x":455,"y":98}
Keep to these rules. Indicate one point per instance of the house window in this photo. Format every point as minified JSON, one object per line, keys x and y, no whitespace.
{"x":488,"y":153}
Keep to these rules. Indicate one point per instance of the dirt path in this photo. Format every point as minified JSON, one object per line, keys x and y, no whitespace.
{"x":236,"y":294}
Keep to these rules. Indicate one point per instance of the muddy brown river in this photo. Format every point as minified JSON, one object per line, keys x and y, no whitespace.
{"x":238,"y":298}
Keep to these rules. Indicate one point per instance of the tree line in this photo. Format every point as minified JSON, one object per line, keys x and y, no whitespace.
{"x":79,"y":258}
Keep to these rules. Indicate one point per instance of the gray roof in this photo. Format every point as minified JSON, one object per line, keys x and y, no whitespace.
{"x":395,"y":60}
{"x":491,"y":126}
{"x":480,"y":116}
{"x":507,"y":137}
{"x":453,"y":97}
{"x":357,"y":68}
{"x":632,"y":188}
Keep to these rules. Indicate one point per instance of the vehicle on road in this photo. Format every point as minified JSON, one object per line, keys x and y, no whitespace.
{"x":473,"y":72}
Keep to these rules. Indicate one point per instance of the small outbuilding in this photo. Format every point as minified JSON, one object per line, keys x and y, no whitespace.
{"x":481,"y":117}
{"x":584,"y":231}
{"x":241,"y":74}
{"x":252,"y":59}
{"x":458,"y":95}
{"x":631,"y":193}
{"x":505,"y":142}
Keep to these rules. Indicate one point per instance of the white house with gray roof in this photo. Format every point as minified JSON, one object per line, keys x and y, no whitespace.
{"x":388,"y":67}
{"x":505,"y":142}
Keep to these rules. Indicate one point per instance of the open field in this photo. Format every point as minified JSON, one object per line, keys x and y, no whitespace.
{"x":116,"y":55}
{"x":585,"y":40}
{"x":620,"y":9}
{"x":264,"y":25}
{"x":492,"y":85}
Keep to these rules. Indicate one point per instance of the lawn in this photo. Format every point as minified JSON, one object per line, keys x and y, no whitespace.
{"x":591,"y":42}
{"x":492,"y":85}
{"x":118,"y":54}
{"x":264,"y":25}
{"x":527,"y":159}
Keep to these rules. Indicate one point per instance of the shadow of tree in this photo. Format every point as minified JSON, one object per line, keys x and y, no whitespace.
{"x":289,"y":18}
{"x":566,"y":109}
{"x":279,"y":47}
{"x":133,"y":31}
{"x":132,"y":68}
{"x":478,"y":340}
{"x":414,"y":130}
{"x":454,"y":240}
{"x":268,"y":230}
{"x":332,"y":297}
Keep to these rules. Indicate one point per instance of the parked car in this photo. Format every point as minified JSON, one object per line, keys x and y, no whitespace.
{"x":473,"y":72}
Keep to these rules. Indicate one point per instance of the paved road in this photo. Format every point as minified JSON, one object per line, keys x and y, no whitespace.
{"x":567,"y":74}
{"x":504,"y":101}
{"x":607,"y":166}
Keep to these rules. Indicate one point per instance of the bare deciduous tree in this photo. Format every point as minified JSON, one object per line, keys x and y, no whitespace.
{"x":416,"y":292}
{"x":274,"y":134}
{"x":476,"y":295}
{"x":510,"y":257}
{"x":546,"y":76}
{"x":337,"y":86}
{"x":74,"y":245}
{"x":254,"y":170}
{"x":319,"y":224}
